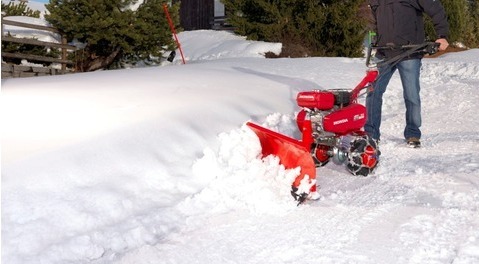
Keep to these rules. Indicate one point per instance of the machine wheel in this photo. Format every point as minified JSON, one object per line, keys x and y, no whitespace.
{"x":320,"y":154}
{"x":363,"y":156}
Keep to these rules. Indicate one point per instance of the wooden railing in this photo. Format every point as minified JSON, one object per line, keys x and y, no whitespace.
{"x":64,"y":47}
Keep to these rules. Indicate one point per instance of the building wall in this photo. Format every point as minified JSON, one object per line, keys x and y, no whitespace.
{"x":219,"y":8}
{"x":196,"y":14}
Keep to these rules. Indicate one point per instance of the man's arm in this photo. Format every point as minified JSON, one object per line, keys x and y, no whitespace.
{"x":435,"y":10}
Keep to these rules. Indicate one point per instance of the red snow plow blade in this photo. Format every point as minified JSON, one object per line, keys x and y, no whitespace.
{"x":292,"y":153}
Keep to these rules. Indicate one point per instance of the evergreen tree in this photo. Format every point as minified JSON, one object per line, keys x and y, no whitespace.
{"x":20,"y":9}
{"x":305,"y":27}
{"x":113,"y":32}
{"x":153,"y":29}
{"x":463,"y":22}
{"x":471,"y":38}
{"x":344,"y":31}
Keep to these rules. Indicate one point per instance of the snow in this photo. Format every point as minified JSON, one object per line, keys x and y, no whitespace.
{"x":156,"y":165}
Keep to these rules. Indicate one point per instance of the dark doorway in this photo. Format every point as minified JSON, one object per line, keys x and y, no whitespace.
{"x":196,"y":14}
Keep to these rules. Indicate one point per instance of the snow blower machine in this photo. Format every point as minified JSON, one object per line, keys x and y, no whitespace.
{"x":331,"y":124}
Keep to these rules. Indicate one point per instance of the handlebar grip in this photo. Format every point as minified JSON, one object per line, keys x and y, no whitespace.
{"x":432,"y":48}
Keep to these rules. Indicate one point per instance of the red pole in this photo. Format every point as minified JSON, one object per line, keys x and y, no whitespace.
{"x":172,"y":27}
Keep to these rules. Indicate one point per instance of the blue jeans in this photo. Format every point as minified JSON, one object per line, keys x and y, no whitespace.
{"x":409,"y":71}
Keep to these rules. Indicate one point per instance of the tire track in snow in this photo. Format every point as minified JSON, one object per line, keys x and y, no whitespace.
{"x":405,"y":210}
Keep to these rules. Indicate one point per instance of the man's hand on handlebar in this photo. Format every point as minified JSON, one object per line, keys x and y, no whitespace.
{"x":443,"y":44}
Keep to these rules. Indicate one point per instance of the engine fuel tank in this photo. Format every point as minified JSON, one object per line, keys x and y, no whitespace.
{"x":322,"y":100}
{"x":346,"y":119}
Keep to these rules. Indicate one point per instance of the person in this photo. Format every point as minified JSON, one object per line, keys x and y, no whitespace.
{"x":400,"y":22}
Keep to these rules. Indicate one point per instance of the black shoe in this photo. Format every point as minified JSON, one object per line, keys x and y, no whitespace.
{"x":413,"y":142}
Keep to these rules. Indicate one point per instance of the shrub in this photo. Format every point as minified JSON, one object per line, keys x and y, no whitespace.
{"x":113,"y":33}
{"x":306,"y":28}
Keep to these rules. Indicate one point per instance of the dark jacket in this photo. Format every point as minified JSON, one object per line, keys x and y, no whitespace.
{"x":401,"y":22}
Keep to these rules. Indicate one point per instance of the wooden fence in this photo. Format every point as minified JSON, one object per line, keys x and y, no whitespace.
{"x":23,"y":71}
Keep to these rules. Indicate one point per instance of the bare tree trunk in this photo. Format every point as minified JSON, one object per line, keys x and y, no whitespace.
{"x":101,"y":61}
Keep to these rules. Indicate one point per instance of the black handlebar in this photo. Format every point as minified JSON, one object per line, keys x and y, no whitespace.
{"x":426,"y":47}
{"x":407,"y":50}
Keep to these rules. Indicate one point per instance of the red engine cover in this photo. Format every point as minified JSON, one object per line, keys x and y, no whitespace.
{"x":322,"y":100}
{"x":345,"y":120}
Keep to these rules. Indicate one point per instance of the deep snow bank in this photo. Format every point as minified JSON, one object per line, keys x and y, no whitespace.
{"x":133,"y":166}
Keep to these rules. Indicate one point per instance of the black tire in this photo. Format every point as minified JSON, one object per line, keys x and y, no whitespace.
{"x":363,"y":156}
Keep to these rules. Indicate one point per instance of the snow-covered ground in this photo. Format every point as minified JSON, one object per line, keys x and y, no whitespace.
{"x":155,"y":165}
